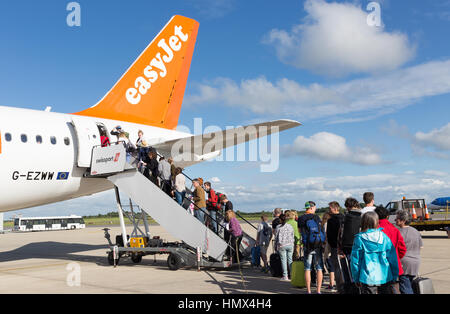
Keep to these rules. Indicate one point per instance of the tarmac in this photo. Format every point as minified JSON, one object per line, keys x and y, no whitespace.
{"x":72,"y":262}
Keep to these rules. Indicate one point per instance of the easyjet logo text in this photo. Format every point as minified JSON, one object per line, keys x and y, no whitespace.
{"x":157,"y":67}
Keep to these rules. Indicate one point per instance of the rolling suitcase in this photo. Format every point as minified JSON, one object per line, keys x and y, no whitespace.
{"x":422,"y":285}
{"x":298,"y":274}
{"x":256,"y":256}
{"x":346,"y":284}
{"x":275,"y":265}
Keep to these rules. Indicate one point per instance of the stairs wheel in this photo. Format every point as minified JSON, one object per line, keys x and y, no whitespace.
{"x":136,"y":258}
{"x":174,"y":261}
{"x":111,"y":259}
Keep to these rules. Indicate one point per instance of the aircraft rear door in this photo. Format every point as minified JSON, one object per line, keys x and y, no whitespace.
{"x":87,"y":137}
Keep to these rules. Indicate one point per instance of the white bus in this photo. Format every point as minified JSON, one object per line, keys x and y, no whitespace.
{"x":48,"y":223}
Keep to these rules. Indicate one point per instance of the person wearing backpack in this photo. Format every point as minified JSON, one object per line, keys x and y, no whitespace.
{"x":129,"y":147}
{"x":211,"y":205}
{"x":313,"y":239}
{"x":263,"y":237}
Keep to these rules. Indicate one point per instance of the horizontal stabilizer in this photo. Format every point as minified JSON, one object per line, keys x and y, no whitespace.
{"x":206,"y":146}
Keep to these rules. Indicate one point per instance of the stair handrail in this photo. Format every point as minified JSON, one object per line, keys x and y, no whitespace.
{"x":190,"y":179}
{"x":198,"y":208}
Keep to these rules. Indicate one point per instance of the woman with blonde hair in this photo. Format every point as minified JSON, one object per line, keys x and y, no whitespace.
{"x":129,"y":147}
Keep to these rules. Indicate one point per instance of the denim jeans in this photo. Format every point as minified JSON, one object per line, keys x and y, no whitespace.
{"x":200,"y":215}
{"x":213,"y":219}
{"x":286,"y":258}
{"x":179,"y":196}
{"x":315,"y":256}
{"x":406,"y":284}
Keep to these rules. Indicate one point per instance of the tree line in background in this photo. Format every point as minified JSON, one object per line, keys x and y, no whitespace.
{"x":255,"y":215}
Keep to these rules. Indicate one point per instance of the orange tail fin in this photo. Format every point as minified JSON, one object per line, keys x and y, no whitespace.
{"x":151,"y":90}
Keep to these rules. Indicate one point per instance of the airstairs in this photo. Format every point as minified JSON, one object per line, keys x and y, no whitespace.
{"x":200,"y":245}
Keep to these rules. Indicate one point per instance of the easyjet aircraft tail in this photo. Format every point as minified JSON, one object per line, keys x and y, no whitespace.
{"x":151,"y":90}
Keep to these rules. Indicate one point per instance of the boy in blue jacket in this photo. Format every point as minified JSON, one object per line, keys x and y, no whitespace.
{"x":373,"y":262}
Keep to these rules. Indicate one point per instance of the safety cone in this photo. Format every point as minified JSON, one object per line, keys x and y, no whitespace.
{"x":427,"y":215}
{"x":414,"y":214}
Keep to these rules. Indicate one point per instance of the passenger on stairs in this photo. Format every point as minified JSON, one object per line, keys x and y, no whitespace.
{"x":104,"y":138}
{"x":117,"y":130}
{"x":140,"y":139}
{"x":180,"y":186}
{"x":172,"y":169}
{"x":165,"y":176}
{"x":211,"y":206}
{"x":199,"y":201}
{"x":129,"y":147}
{"x":227,"y":205}
{"x":235,"y":232}
{"x":151,"y":167}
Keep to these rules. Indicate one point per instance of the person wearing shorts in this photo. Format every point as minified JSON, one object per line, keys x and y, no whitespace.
{"x":314,"y":255}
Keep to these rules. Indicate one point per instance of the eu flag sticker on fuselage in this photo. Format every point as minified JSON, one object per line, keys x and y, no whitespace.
{"x":62,"y":176}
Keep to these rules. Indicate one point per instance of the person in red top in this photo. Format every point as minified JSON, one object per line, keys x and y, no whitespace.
{"x":396,"y":237}
{"x":211,"y":205}
{"x":104,"y":139}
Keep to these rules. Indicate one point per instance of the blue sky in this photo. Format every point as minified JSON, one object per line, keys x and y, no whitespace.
{"x":374,"y":101}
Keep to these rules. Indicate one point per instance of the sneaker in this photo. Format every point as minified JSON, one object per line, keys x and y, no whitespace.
{"x":285,"y":279}
{"x":332,"y":288}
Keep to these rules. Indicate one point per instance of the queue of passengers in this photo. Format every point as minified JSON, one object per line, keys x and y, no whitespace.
{"x":382,"y":258}
{"x":214,"y":211}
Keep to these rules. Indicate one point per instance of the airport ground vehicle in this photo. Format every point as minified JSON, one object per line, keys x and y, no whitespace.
{"x":423,"y":219}
{"x":48,"y":223}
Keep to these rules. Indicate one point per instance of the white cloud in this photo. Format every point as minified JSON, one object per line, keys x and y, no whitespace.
{"x":437,"y":138}
{"x":215,"y":179}
{"x":355,"y":100}
{"x":329,"y":146}
{"x":335,"y":39}
{"x":435,"y":143}
{"x":386,"y":186}
{"x":436,"y":173}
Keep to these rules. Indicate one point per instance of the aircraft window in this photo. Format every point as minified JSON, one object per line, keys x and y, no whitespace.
{"x":8,"y":137}
{"x":66,"y":141}
{"x":23,"y":138}
{"x":38,"y":139}
{"x":53,"y":140}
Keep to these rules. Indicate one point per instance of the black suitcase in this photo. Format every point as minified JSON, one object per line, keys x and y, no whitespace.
{"x":422,"y":285}
{"x":275,"y":265}
{"x":346,"y":284}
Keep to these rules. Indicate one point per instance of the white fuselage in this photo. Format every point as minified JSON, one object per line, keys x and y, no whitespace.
{"x":33,"y":173}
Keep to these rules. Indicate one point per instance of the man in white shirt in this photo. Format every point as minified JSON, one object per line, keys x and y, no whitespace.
{"x":369,"y":200}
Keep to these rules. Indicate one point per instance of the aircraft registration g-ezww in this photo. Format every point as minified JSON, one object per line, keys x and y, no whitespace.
{"x":44,"y":155}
